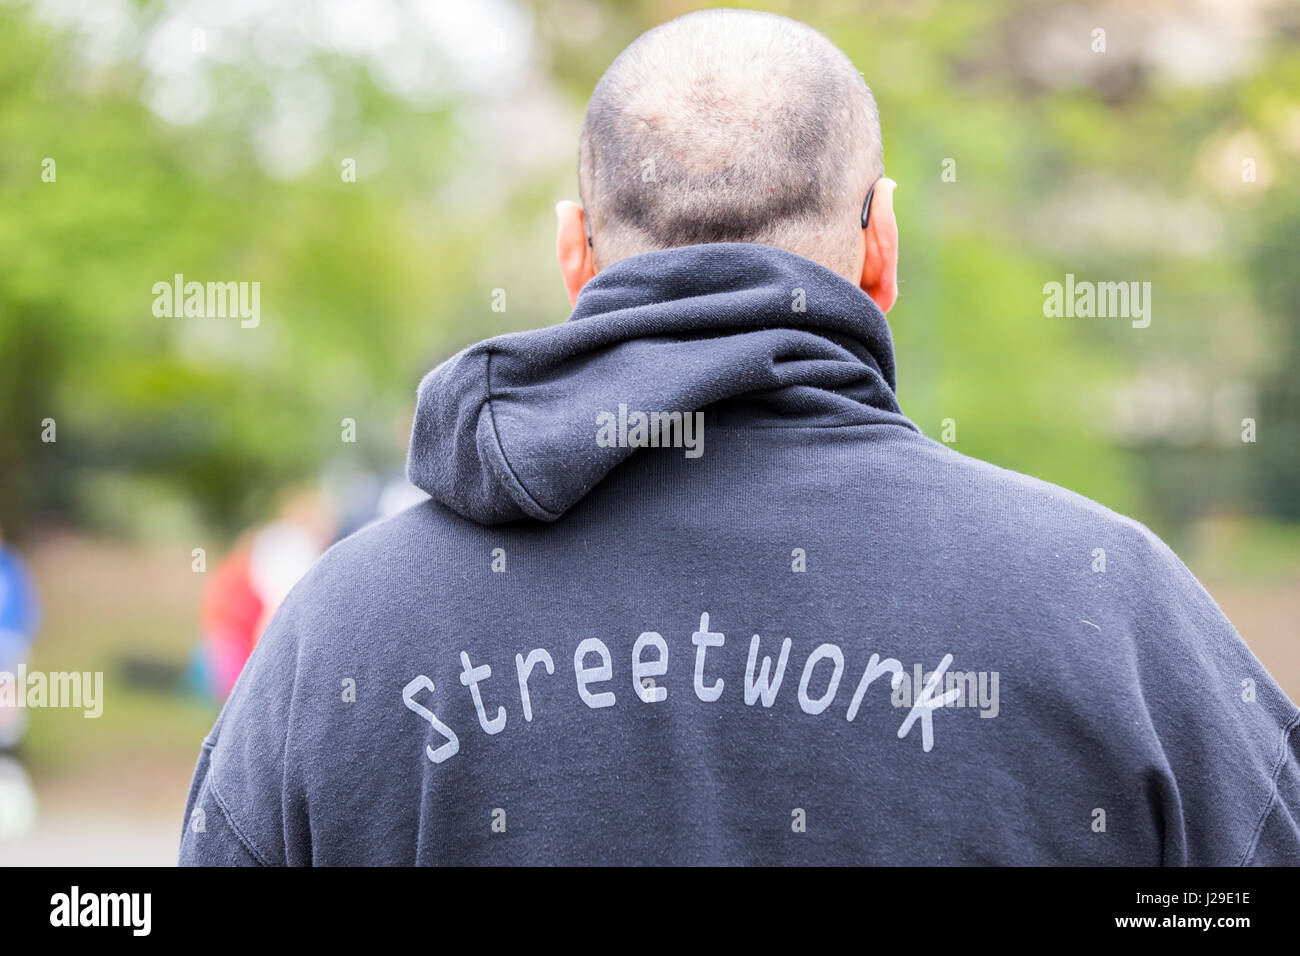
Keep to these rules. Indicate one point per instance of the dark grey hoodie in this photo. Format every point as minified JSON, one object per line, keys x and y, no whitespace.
{"x":789,"y":629}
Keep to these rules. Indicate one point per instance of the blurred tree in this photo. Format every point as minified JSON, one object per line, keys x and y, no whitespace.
{"x":1023,"y":154}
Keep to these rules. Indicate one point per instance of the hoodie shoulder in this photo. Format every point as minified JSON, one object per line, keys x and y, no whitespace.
{"x":1017,"y":505}
{"x":413,"y":553}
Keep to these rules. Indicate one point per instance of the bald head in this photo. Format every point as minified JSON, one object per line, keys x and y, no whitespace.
{"x":730,"y":126}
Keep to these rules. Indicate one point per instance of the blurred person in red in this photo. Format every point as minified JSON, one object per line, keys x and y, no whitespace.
{"x":251,"y":581}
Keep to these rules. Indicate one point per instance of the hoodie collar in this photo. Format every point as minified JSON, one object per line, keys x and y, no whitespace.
{"x":732,"y":285}
{"x":508,"y":428}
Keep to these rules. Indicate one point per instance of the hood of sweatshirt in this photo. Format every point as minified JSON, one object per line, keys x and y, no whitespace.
{"x":524,"y":425}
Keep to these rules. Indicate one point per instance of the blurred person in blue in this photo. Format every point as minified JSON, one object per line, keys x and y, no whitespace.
{"x":19,"y":619}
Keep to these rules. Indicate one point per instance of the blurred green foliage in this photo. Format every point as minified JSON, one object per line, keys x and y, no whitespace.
{"x":1106,"y":168}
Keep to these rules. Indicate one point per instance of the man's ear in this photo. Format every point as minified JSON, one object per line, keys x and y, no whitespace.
{"x":571,"y":249}
{"x":880,"y":264}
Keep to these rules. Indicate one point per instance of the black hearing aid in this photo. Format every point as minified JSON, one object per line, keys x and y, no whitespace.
{"x":586,"y":224}
{"x":866,"y":208}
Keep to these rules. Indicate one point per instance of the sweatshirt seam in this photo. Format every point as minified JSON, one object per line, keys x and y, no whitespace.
{"x":244,"y":841}
{"x":1273,"y":793}
{"x":496,"y":436}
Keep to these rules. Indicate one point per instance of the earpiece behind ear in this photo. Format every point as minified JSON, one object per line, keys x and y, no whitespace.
{"x":866,"y":209}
